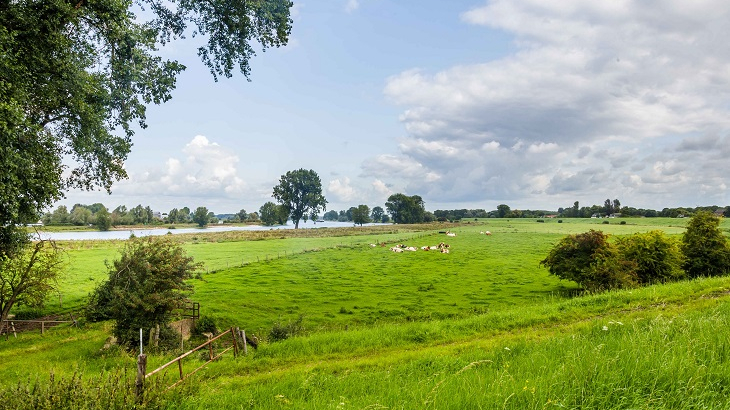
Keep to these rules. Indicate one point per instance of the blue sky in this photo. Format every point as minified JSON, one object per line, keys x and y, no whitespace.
{"x":468,"y":104}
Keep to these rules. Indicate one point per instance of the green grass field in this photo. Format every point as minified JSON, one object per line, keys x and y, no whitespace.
{"x":481,"y":327}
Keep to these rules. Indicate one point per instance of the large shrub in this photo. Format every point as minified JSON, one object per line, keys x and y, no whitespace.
{"x":145,"y":285}
{"x":656,"y":257}
{"x":591,"y":261}
{"x":705,"y":249}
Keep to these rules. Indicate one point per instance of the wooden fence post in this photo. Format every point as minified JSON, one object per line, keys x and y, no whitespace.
{"x":245,"y":343}
{"x":235,"y":343}
{"x":141,"y":372}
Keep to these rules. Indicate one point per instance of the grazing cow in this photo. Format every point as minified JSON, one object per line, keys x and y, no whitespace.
{"x":487,"y":233}
{"x":372,"y":245}
{"x":450,"y":234}
{"x":445,"y":250}
{"x":396,"y":249}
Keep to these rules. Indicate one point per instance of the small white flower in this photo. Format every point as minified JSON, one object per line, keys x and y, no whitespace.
{"x":605,"y":328}
{"x":507,"y":349}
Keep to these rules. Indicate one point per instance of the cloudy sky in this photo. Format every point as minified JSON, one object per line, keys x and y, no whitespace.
{"x":468,"y":104}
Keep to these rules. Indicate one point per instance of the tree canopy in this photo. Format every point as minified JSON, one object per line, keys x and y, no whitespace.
{"x":300,"y":193}
{"x":405,"y":209}
{"x":76,"y":76}
{"x":705,"y":248}
{"x":146,"y":284}
{"x":361,"y":214}
{"x":200,"y":216}
{"x":29,"y":276}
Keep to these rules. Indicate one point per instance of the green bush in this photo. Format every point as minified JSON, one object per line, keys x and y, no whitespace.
{"x":705,"y":249}
{"x":284,"y":331}
{"x":656,"y":256}
{"x":206,"y":324}
{"x":145,"y":285}
{"x":591,"y":261}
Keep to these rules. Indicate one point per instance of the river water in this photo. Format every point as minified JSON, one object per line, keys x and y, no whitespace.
{"x":108,"y":235}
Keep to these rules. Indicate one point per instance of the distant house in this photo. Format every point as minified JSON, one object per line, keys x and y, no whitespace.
{"x":720,"y":213}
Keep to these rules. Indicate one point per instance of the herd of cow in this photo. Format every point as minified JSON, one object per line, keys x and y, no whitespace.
{"x":441,"y":247}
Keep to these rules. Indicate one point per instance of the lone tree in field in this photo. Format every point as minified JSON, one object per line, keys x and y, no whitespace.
{"x":361,"y":214}
{"x":77,"y":76}
{"x":145,"y":285}
{"x":300,"y":193}
{"x":705,"y":249}
{"x":200,"y":216}
{"x":29,"y":276}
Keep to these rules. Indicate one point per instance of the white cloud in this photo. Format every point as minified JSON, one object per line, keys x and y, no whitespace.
{"x":352,"y":5}
{"x":341,"y":190}
{"x":207,"y":170}
{"x":599,"y":97}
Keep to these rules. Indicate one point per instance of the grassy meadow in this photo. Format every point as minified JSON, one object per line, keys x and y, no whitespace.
{"x":481,"y":327}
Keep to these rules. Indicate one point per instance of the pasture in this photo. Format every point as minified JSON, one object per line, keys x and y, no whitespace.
{"x":481,"y":327}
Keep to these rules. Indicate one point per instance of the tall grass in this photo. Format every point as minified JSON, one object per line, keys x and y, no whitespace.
{"x":629,"y":353}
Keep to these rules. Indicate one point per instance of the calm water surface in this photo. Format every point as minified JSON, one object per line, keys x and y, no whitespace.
{"x":108,"y":235}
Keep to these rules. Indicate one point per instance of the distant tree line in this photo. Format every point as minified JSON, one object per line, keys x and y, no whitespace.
{"x":98,"y":215}
{"x":297,"y":187}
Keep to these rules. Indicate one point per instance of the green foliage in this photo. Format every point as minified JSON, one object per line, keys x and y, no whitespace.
{"x":503,"y":211}
{"x":77,"y":77}
{"x":300,"y":193}
{"x":405,"y":209}
{"x":29,"y":275}
{"x":361,"y":214}
{"x":377,"y":214}
{"x":705,"y":249}
{"x":281,"y":331}
{"x":200,"y":216}
{"x":103,"y":219}
{"x":591,"y":261}
{"x":269,"y":214}
{"x":206,"y":324}
{"x":656,"y":256}
{"x":145,"y":285}
{"x":111,"y":390}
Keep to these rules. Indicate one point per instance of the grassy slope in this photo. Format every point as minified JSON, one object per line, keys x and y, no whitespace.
{"x":664,"y":347}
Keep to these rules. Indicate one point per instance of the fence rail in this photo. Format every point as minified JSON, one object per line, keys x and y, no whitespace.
{"x":8,"y":325}
{"x":178,"y":360}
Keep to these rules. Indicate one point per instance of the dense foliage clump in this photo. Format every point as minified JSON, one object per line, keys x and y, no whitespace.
{"x":590,"y":260}
{"x":144,"y":287}
{"x":28,"y":275}
{"x":656,"y":257}
{"x":705,"y":249}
